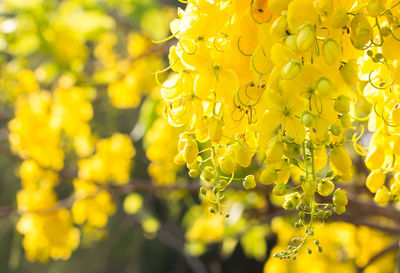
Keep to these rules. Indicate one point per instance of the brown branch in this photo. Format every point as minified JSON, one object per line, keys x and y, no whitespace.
{"x":3,"y":134}
{"x":358,"y":212}
{"x":5,"y":211}
{"x":388,"y":249}
{"x":177,"y":244}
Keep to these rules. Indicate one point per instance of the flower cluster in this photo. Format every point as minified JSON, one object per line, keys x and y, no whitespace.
{"x":288,"y":81}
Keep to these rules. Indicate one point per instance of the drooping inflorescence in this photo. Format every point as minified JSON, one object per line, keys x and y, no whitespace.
{"x":293,"y":82}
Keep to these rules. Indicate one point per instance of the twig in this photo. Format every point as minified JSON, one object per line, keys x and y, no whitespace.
{"x":175,"y":243}
{"x":389,"y":248}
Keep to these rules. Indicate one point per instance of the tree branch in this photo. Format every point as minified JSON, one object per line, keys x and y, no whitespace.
{"x":388,"y":249}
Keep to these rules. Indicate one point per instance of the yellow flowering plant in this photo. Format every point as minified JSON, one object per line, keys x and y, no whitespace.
{"x":269,"y":126}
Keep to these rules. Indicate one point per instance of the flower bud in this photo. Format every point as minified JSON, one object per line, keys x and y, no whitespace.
{"x":305,"y":37}
{"x":345,"y":120}
{"x":330,"y":51}
{"x":292,"y":201}
{"x":340,"y":18}
{"x":309,"y":186}
{"x":288,"y":205}
{"x":279,"y":26}
{"x":291,"y":42}
{"x":342,"y":104}
{"x":375,"y":180}
{"x":349,"y":72}
{"x":324,"y":86}
{"x":193,"y":173}
{"x":207,"y":174}
{"x":382,"y":196}
{"x":340,"y":209}
{"x":361,"y":31}
{"x":291,"y":70}
{"x":336,"y":129}
{"x":249,"y":182}
{"x":190,"y":151}
{"x":307,"y":118}
{"x":203,"y":191}
{"x":325,"y":188}
{"x":340,"y":198}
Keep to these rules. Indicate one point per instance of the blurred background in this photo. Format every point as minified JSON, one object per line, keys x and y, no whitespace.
{"x":78,"y":76}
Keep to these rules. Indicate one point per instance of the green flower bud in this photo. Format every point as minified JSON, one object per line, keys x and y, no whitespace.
{"x":342,"y":104}
{"x":227,"y":164}
{"x":307,"y":118}
{"x":330,"y":51}
{"x":291,"y":42}
{"x":349,"y":72}
{"x":325,"y":188}
{"x":305,"y":37}
{"x":292,"y":201}
{"x":320,"y":214}
{"x":324,"y":86}
{"x":279,"y":26}
{"x":288,"y":205}
{"x":340,"y":209}
{"x":345,"y":120}
{"x":249,"y":182}
{"x":360,"y":30}
{"x":193,"y":173}
{"x":328,"y":214}
{"x":382,"y":196}
{"x":207,"y":174}
{"x":291,"y":70}
{"x":309,"y":187}
{"x":336,"y":129}
{"x":203,"y":191}
{"x":340,"y":198}
{"x":190,"y":151}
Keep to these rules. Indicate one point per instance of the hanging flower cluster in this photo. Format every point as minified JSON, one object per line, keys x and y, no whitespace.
{"x":293,"y":82}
